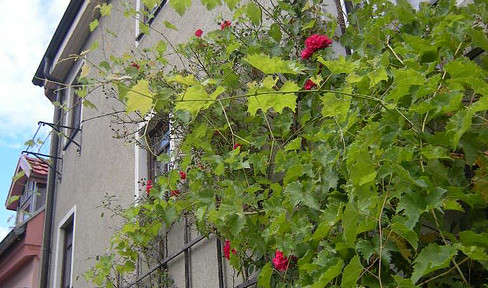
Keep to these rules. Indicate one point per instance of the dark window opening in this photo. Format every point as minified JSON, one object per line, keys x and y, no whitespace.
{"x":67,"y":255}
{"x":148,"y":15}
{"x":159,"y":149}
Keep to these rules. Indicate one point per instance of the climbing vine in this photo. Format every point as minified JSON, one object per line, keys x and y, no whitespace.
{"x":318,"y":168}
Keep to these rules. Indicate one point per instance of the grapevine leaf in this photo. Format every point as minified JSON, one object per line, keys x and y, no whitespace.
{"x":170,"y":25}
{"x":254,"y":13}
{"x":180,"y":6}
{"x":272,"y":65}
{"x":403,"y":283}
{"x":406,"y":233}
{"x":211,"y":4}
{"x":267,"y":98}
{"x":264,"y":278}
{"x":139,"y":97}
{"x":329,"y":275}
{"x":432,"y":258}
{"x":196,"y":98}
{"x":93,"y":25}
{"x":335,"y":107}
{"x":377,"y":76}
{"x":338,"y":66}
{"x":105,"y":9}
{"x":351,"y":273}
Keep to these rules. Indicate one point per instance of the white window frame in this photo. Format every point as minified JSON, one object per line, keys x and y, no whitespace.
{"x":59,"y":254}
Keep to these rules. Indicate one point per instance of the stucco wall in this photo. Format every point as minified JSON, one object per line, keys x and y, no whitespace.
{"x":25,"y":277}
{"x":108,"y":166}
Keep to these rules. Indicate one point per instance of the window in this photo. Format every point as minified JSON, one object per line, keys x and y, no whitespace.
{"x":67,"y":254}
{"x":31,"y":200}
{"x":159,"y":146}
{"x":72,"y":119}
{"x":147,"y":16}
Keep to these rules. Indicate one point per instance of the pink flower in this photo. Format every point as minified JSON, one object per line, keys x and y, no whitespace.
{"x":313,"y":43}
{"x":174,"y":193}
{"x":225,"y":24}
{"x":135,"y":65}
{"x":237,"y":145}
{"x":199,"y":33}
{"x":227,"y":250}
{"x":309,"y":84}
{"x":279,"y":261}
{"x":316,"y":42}
{"x":306,"y":53}
{"x":148,"y":186}
{"x":182,"y":175}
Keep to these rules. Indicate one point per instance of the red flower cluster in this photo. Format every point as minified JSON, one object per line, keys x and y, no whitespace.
{"x":148,"y":186}
{"x":237,"y":145}
{"x":199,"y":33}
{"x":174,"y":193}
{"x":314,"y":43}
{"x":182,"y":175}
{"x":227,"y":250}
{"x":135,"y":65}
{"x":225,"y":24}
{"x":280,"y":261}
{"x":309,"y":84}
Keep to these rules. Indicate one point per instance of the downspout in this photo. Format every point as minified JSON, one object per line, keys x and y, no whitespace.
{"x":51,"y":184}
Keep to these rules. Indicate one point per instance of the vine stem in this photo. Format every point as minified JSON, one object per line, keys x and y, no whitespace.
{"x":228,"y":122}
{"x":456,"y":266}
{"x":444,"y":273}
{"x":393,"y":51}
{"x":380,"y":228}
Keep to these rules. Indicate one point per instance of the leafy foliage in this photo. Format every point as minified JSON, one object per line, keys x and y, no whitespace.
{"x":374,"y":177}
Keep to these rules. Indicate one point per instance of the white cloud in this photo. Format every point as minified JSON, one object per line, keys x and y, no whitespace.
{"x":3,"y":232}
{"x":26,"y":28}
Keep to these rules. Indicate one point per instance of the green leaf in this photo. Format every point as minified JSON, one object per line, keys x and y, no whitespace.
{"x":432,"y":258}
{"x":403,"y":283}
{"x":211,"y":4}
{"x":185,"y":80}
{"x":297,"y":195}
{"x":264,"y":278}
{"x":362,"y":170}
{"x":403,"y":80}
{"x":254,"y":13}
{"x":338,"y":66}
{"x":12,"y":199}
{"x":150,"y":3}
{"x":350,"y":223}
{"x":335,"y":107}
{"x":93,"y":25}
{"x":180,"y":6}
{"x":329,"y":275}
{"x":272,"y":65}
{"x":267,"y":98}
{"x":406,"y":233}
{"x":169,"y":25}
{"x":377,"y":76}
{"x":435,"y":152}
{"x":351,"y":273}
{"x":85,"y":70}
{"x":275,"y":32}
{"x":105,"y":9}
{"x":232,"y":3}
{"x":196,"y":98}
{"x":139,"y":97}
{"x":294,"y":144}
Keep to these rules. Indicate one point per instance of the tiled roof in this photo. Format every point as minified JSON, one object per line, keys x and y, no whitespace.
{"x":37,"y":165}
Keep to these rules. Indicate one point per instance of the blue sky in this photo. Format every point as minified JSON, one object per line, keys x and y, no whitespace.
{"x":22,"y":104}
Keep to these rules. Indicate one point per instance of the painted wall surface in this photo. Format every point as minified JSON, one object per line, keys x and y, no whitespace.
{"x":104,"y":165}
{"x":25,"y":276}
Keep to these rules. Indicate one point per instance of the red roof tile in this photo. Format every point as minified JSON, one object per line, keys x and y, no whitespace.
{"x":37,"y":165}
